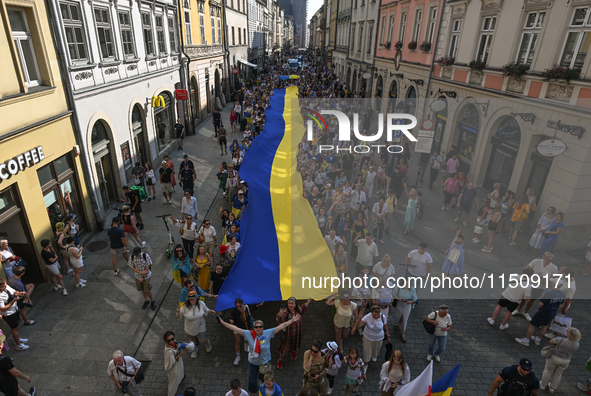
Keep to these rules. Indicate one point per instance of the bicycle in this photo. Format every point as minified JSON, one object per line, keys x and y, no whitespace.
{"x":420,"y":206}
{"x":170,"y":237}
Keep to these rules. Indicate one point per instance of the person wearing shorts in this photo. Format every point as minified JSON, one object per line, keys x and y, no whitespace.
{"x":468,"y":197}
{"x":52,"y":262}
{"x":141,"y":264}
{"x":222,"y":141}
{"x":118,"y":243}
{"x":180,"y":133}
{"x":9,"y":307}
{"x":511,"y":297}
{"x":165,"y":182}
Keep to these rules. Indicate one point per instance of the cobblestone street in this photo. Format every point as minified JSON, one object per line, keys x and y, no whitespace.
{"x":76,"y":335}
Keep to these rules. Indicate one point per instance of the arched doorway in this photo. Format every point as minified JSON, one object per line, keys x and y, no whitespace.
{"x":194,"y":100}
{"x":348,"y":79}
{"x":440,"y":119}
{"x":505,"y":146}
{"x":164,"y":121}
{"x":103,"y":164}
{"x":392,"y":95}
{"x":354,"y":81}
{"x":218,"y":87}
{"x":208,"y":92}
{"x":139,"y":135}
{"x":379,"y":87}
{"x":468,"y":125}
{"x":411,"y":100}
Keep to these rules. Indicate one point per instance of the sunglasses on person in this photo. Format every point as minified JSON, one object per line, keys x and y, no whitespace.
{"x":170,"y":339}
{"x":239,"y":306}
{"x":189,"y":218}
{"x":179,"y":250}
{"x":187,"y":195}
{"x":207,"y":224}
{"x":314,"y":350}
{"x":258,"y":327}
{"x":526,"y":369}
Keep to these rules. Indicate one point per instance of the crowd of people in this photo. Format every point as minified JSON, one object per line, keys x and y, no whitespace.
{"x":356,"y":199}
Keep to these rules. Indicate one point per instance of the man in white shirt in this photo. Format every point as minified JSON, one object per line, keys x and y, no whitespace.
{"x":8,"y":306}
{"x":367,"y":252}
{"x":332,"y":239}
{"x":188,"y":206}
{"x":442,"y":321}
{"x":545,"y":270}
{"x":356,"y":199}
{"x":378,"y":213}
{"x":419,"y":262}
{"x":210,"y":240}
{"x":123,"y":370}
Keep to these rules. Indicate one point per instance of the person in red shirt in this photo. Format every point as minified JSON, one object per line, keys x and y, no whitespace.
{"x":462,"y":182}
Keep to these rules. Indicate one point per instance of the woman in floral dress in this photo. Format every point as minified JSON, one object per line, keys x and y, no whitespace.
{"x":291,"y":338}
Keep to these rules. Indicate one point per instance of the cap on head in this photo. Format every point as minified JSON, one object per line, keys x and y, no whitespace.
{"x":70,"y":217}
{"x":192,"y":295}
{"x":525,"y":363}
{"x":164,"y":162}
{"x":443,"y":307}
{"x":185,"y":156}
{"x":137,"y":250}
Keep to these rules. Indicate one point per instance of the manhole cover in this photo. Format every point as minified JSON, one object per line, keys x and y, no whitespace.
{"x":96,"y":246}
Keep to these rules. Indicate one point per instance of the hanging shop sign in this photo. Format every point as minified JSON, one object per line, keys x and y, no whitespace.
{"x":551,"y":147}
{"x":18,"y":164}
{"x":181,"y":94}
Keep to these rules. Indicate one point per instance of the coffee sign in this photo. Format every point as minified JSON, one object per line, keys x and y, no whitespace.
{"x":18,"y":164}
{"x":551,"y":147}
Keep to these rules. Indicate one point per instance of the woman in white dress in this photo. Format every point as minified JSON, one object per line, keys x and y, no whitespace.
{"x":173,"y":363}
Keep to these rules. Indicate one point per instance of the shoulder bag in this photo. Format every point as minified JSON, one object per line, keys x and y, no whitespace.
{"x":429,"y":327}
{"x":548,"y":350}
{"x":138,"y":378}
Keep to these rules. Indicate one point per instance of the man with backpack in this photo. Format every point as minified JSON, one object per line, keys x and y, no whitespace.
{"x":517,"y":380}
{"x":141,"y":264}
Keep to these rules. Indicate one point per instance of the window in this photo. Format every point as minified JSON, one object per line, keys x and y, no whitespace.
{"x":455,"y":37}
{"x":403,"y":20}
{"x":578,"y":40}
{"x":244,"y":33}
{"x":353,"y":38}
{"x":243,"y":6}
{"x":126,"y":34}
{"x":74,"y":28}
{"x":172,"y":35}
{"x":232,"y":4}
{"x":160,"y":34}
{"x":147,"y":32}
{"x":104,"y":31}
{"x":389,"y":38}
{"x":188,"y":37}
{"x":432,"y":24}
{"x":383,"y":30}
{"x":488,"y":28}
{"x":234,"y":38}
{"x":212,"y":25}
{"x":369,"y":36}
{"x":417,"y":27}
{"x":202,"y":23}
{"x":219,"y":21}
{"x":531,"y":30}
{"x":24,"y":46}
{"x":360,"y":39}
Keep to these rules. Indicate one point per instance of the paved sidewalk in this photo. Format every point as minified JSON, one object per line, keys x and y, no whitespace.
{"x":76,"y":335}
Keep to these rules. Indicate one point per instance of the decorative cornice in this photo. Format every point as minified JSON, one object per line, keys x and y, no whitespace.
{"x":200,"y":51}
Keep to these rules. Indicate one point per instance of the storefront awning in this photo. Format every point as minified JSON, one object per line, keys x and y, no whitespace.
{"x":247,"y":63}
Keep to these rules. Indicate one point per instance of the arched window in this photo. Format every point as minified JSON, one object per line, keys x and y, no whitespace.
{"x":411,"y":101}
{"x":99,"y":134}
{"x":379,"y":87}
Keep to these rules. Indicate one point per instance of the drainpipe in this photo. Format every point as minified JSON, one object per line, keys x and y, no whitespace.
{"x":227,"y":52}
{"x":182,"y":61}
{"x":59,"y":44}
{"x":433,"y":59}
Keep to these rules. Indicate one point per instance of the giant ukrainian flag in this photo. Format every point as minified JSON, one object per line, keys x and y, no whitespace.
{"x":280,"y":238}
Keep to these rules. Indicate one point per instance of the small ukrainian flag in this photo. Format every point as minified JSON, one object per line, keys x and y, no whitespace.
{"x":445,"y":384}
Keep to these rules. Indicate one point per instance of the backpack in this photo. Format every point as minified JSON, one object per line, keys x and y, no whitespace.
{"x":516,"y":386}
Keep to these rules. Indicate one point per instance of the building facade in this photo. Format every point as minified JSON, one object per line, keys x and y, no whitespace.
{"x":364,"y":14}
{"x":237,"y":38}
{"x":117,"y":57}
{"x":341,"y":48}
{"x":42,"y":174}
{"x":207,"y":70}
{"x":498,"y":135}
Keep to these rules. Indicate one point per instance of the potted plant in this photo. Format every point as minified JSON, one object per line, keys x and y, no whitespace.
{"x":445,"y":61}
{"x":514,"y":70}
{"x":398,"y":45}
{"x":477,"y":66}
{"x":425,"y":46}
{"x":387,"y":45}
{"x":561,"y":73}
{"x":412,"y":45}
